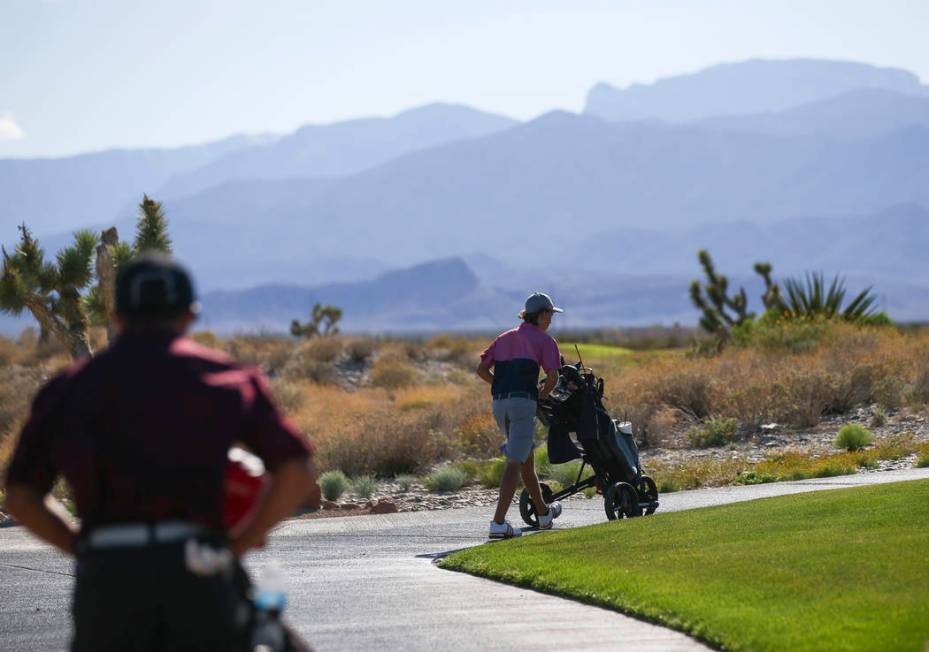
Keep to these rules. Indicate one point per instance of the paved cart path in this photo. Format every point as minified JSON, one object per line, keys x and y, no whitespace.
{"x":368,"y":582}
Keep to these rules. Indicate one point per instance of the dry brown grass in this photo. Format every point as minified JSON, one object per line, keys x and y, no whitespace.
{"x":410,"y":419}
{"x":853,"y":367}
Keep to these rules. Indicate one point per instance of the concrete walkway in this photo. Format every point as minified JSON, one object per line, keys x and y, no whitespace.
{"x":370,"y":583}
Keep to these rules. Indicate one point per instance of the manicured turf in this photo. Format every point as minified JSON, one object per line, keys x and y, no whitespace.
{"x":591,"y":351}
{"x":832,"y":570}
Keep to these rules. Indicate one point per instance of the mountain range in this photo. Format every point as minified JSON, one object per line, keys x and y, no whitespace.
{"x":813,"y":165}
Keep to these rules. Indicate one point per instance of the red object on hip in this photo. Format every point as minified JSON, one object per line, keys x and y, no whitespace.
{"x":244,"y":485}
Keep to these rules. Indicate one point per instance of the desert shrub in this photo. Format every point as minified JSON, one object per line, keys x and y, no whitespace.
{"x":206,"y":338}
{"x":565,"y":474}
{"x":890,"y":392}
{"x":333,"y":484}
{"x":717,"y":431}
{"x":415,"y":398}
{"x":359,"y":350}
{"x":405,"y":481}
{"x":270,"y":354}
{"x":471,"y":469}
{"x":9,"y":351}
{"x":314,"y":360}
{"x":385,"y":445}
{"x":543,"y":467}
{"x":448,"y":478}
{"x":775,"y":331}
{"x":894,"y":447}
{"x":589,"y":492}
{"x":853,"y":437}
{"x":364,"y":486}
{"x":491,"y":473}
{"x":878,"y":418}
{"x":392,"y":373}
{"x":288,"y":395}
{"x":920,"y":392}
{"x":478,"y":435}
{"x":321,"y":349}
{"x":687,"y":390}
{"x":456,"y":350}
{"x":923,"y":461}
{"x":17,"y":387}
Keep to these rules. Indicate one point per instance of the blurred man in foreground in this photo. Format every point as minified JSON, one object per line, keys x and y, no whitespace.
{"x":141,"y":433}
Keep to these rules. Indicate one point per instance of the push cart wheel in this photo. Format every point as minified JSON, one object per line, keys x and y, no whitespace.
{"x":649,"y":489}
{"x":621,"y":500}
{"x":527,"y":509}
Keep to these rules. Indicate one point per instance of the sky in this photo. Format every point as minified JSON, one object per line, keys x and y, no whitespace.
{"x":86,"y":75}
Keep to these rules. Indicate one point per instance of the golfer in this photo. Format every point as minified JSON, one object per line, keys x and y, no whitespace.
{"x":141,"y":433}
{"x":511,"y":366}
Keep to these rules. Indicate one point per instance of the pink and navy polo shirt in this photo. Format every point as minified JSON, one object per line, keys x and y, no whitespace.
{"x":517,"y":356}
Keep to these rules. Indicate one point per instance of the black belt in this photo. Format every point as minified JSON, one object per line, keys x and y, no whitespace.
{"x":499,"y":397}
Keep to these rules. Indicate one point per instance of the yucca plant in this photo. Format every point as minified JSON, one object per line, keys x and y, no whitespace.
{"x":811,"y":298}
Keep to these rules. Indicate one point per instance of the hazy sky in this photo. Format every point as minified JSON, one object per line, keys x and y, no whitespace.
{"x":80,"y":75}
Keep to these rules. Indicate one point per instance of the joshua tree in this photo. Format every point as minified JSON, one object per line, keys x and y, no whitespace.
{"x":57,"y":294}
{"x":112,"y":254}
{"x":713,"y":299}
{"x":772,"y":292}
{"x":50,"y":291}
{"x":323,"y":321}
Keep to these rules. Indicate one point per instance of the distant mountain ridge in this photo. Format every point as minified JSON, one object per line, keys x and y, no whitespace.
{"x":744,"y":87}
{"x":856,"y":114}
{"x":92,"y":189}
{"x":343,"y":148}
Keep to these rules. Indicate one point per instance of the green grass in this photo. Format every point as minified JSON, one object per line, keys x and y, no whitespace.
{"x":591,"y":351}
{"x":831,"y":570}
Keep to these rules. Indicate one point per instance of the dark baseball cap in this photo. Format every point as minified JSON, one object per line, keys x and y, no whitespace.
{"x":155,"y":285}
{"x":540,"y":301}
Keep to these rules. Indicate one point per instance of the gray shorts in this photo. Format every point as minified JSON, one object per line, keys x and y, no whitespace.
{"x":516,"y":419}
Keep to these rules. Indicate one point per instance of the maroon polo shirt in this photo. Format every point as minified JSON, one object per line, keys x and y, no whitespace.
{"x":141,"y":432}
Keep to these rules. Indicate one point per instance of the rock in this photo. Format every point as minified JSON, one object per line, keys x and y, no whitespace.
{"x":384,"y":506}
{"x":348,"y":506}
{"x":328,"y":504}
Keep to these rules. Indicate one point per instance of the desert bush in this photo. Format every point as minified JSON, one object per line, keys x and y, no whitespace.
{"x":878,"y":418}
{"x":775,"y":331}
{"x":321,"y":349}
{"x":688,"y":390}
{"x":477,"y":435}
{"x":543,"y":467}
{"x":364,"y":486}
{"x":456,"y":350}
{"x":333,"y":484}
{"x":448,"y":478}
{"x":206,"y":338}
{"x":890,"y":392}
{"x":923,"y":461}
{"x":10,"y":352}
{"x":566,"y":474}
{"x":491,"y":473}
{"x":18,"y":385}
{"x":405,"y":481}
{"x":853,"y":437}
{"x":360,"y":349}
{"x":717,"y":431}
{"x":314,"y":360}
{"x":270,"y":354}
{"x":391,"y":373}
{"x":386,"y":445}
{"x":288,"y":395}
{"x":415,"y":398}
